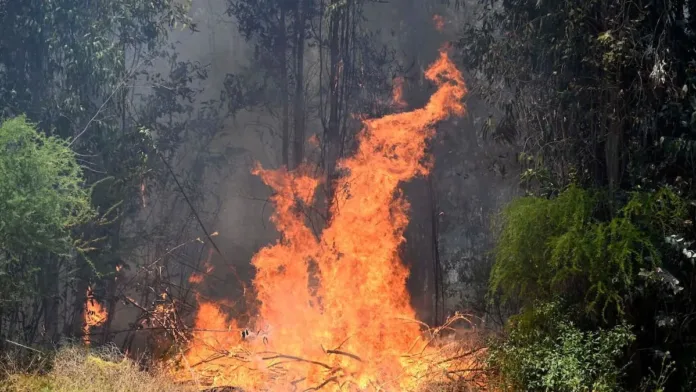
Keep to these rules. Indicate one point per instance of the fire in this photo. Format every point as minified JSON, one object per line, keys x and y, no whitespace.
{"x":439,"y":22}
{"x":334,"y":311}
{"x":94,"y":315}
{"x":198,"y":277}
{"x":398,"y":93}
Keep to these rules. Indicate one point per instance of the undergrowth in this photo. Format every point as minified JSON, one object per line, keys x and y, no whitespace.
{"x":544,"y":351}
{"x":77,"y":369}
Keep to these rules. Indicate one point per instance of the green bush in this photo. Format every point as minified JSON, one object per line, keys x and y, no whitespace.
{"x":41,"y":198}
{"x":576,"y":245}
{"x":545,"y":352}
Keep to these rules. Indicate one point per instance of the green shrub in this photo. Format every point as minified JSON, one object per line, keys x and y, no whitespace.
{"x":41,"y":193}
{"x":576,"y":245}
{"x":41,"y":198}
{"x":545,"y":352}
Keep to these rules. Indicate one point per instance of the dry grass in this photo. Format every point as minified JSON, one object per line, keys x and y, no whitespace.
{"x":75,"y":369}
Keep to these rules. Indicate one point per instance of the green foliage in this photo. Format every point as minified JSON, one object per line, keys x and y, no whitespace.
{"x":591,"y":86}
{"x":41,"y":196}
{"x":600,"y":94}
{"x":73,"y":55}
{"x":562,"y":244}
{"x":71,"y":66}
{"x":41,"y":190}
{"x":546,"y":352}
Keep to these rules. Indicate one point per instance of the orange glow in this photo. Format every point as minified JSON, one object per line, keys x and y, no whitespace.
{"x":196,"y":277}
{"x":398,"y":94}
{"x":314,"y":141}
{"x":439,"y":22}
{"x":142,"y":194}
{"x":94,"y":315}
{"x":334,"y":310}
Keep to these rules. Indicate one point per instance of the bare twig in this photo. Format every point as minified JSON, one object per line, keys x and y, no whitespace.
{"x":466,"y":354}
{"x":322,"y":385}
{"x":339,"y":352}
{"x":23,"y":346}
{"x":198,"y":219}
{"x":283,"y":356}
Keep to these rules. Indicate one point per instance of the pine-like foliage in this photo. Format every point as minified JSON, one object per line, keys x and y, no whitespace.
{"x":574,"y":245}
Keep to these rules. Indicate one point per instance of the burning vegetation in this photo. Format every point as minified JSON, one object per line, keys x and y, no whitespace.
{"x":334,"y":310}
{"x":584,"y":155}
{"x":94,"y":315}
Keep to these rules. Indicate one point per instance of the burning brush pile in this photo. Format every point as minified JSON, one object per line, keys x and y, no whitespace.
{"x":334,"y":312}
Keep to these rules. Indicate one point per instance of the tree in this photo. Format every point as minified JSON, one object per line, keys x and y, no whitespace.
{"x":599,"y":95}
{"x":42,"y":201}
{"x":82,"y":71}
{"x":593,"y":98}
{"x":279,"y":30}
{"x":354,"y":71}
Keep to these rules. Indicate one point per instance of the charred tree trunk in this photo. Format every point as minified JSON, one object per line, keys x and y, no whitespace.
{"x":332,"y":130}
{"x":438,"y":279}
{"x":75,"y":327}
{"x":112,"y":300}
{"x":282,"y":56}
{"x":299,"y":109}
{"x":612,"y":146}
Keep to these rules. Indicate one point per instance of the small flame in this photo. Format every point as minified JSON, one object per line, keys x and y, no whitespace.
{"x":195,"y":278}
{"x":94,"y":315}
{"x":198,"y":277}
{"x":398,"y":93}
{"x":439,"y":22}
{"x":314,"y":141}
{"x":334,"y":310}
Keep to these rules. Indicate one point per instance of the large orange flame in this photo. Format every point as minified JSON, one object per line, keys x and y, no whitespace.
{"x":334,"y":310}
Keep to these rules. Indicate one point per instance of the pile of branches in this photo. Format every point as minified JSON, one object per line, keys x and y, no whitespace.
{"x":452,"y":362}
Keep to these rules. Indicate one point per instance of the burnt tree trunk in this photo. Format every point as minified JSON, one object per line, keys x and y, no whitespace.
{"x":333,"y":137}
{"x":298,"y":109}
{"x":282,"y":56}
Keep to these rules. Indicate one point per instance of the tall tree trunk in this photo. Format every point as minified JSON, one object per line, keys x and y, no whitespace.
{"x":50,"y":283}
{"x":333,"y":137}
{"x":438,"y":278}
{"x":75,"y":327}
{"x":298,"y":109}
{"x":612,"y":146}
{"x":111,"y":289}
{"x":282,"y":55}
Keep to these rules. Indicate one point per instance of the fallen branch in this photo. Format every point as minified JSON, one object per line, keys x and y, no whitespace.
{"x":282,"y":356}
{"x":466,"y":354}
{"x":23,"y":346}
{"x":322,"y":385}
{"x":347,"y":354}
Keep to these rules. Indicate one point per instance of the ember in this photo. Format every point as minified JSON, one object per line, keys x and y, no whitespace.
{"x":439,"y":22}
